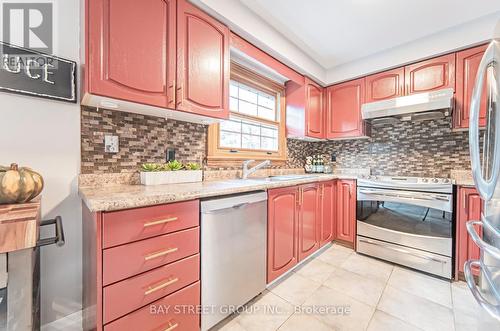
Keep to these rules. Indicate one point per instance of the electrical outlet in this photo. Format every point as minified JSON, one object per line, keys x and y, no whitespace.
{"x":170,"y":155}
{"x":111,"y":144}
{"x":334,"y":158}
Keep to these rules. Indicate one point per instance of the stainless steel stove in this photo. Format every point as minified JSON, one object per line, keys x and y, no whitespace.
{"x":406,"y":220}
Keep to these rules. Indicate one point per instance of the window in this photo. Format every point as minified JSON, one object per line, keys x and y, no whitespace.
{"x":256,"y":128}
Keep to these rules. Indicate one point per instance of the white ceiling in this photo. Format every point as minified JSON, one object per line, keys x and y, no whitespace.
{"x":335,"y":32}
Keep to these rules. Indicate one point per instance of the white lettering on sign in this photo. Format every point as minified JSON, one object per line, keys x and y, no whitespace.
{"x":15,"y":63}
{"x":30,"y":64}
{"x":46,"y":73}
{"x":6,"y":67}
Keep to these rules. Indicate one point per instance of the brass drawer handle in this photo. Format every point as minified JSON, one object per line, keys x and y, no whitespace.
{"x":167,"y":220}
{"x":160,"y":286}
{"x":171,"y":326}
{"x":160,"y":253}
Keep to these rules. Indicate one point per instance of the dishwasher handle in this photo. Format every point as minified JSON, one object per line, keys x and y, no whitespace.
{"x":232,"y":203}
{"x":225,"y":210}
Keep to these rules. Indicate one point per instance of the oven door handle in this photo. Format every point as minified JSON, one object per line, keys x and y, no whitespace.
{"x":373,"y":192}
{"x":59,"y":237}
{"x":401,"y":250}
{"x":430,"y":197}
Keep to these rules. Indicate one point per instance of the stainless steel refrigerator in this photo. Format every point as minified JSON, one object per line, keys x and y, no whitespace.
{"x":485,"y":162}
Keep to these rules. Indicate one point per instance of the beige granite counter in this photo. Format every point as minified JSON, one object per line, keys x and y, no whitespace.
{"x":462,"y":177}
{"x":116,"y":197}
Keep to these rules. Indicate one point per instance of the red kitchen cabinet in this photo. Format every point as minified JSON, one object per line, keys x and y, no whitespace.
{"x":314,"y":110}
{"x":203,"y":63}
{"x":282,"y":234}
{"x":469,"y":207}
{"x":344,"y":110}
{"x":131,"y":50}
{"x":145,"y":56}
{"x":434,"y":74}
{"x":328,"y":210}
{"x":467,"y":67}
{"x":309,"y":219}
{"x":305,"y":110}
{"x":385,"y":85}
{"x":346,"y":211}
{"x":155,"y":257}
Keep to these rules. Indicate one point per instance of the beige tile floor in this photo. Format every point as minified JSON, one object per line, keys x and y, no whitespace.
{"x":379,"y":296}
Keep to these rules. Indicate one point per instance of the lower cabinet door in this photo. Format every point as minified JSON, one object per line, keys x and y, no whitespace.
{"x":469,"y":207}
{"x":282,"y":231}
{"x":309,"y":219}
{"x":346,"y":211}
{"x":174,"y":312}
{"x":327,"y":206}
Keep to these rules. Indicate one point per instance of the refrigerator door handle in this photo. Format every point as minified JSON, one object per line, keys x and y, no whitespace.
{"x":493,"y":310}
{"x":495,"y":252}
{"x":485,"y":186}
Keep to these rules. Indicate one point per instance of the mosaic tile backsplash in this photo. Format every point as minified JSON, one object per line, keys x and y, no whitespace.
{"x":428,"y":148}
{"x":146,"y":138}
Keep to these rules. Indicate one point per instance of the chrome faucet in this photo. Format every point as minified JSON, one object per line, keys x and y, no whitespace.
{"x":247,"y":172}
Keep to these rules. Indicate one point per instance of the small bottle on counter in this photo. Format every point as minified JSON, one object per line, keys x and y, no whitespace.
{"x":321,"y":165}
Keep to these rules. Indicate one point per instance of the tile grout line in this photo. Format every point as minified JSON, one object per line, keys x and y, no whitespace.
{"x":425,"y":298}
{"x":381,"y":294}
{"x":396,"y":317}
{"x":453,"y":308}
{"x":302,"y":304}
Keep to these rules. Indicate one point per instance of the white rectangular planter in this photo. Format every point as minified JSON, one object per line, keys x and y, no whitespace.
{"x":171,"y":177}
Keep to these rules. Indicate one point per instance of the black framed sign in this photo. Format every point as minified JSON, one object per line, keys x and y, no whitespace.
{"x":27,"y":72}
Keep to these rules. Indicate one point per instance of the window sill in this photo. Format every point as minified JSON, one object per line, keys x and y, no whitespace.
{"x":236,"y":162}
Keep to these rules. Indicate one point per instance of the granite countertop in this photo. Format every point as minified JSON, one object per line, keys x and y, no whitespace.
{"x":108,"y":198}
{"x":462,"y":177}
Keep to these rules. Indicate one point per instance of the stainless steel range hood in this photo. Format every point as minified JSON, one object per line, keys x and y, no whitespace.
{"x":416,"y":107}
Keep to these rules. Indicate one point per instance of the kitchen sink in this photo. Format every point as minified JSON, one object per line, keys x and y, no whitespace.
{"x":284,"y":178}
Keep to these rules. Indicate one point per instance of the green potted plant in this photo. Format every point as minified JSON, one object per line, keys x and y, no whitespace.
{"x":172,"y":172}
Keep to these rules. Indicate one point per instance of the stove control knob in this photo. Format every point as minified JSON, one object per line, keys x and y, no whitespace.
{"x":435,"y":180}
{"x":446,"y":180}
{"x":425,"y":180}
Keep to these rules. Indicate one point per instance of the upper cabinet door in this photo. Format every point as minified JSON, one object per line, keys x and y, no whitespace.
{"x":467,"y":66}
{"x":309,"y":219}
{"x":314,"y":110}
{"x":344,"y":109}
{"x":430,"y":75}
{"x":385,"y":85}
{"x":203,"y":63}
{"x":283,"y":204}
{"x":131,"y":50}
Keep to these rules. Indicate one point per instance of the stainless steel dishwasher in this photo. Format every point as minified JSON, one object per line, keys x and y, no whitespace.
{"x":233,"y":253}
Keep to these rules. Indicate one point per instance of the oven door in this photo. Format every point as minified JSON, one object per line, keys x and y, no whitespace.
{"x":416,"y":220}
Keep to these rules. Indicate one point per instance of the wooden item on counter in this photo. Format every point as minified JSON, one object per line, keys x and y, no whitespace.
{"x":19,"y":184}
{"x":19,"y":226}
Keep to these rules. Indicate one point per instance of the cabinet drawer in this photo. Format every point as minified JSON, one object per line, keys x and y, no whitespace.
{"x":123,"y":297}
{"x":156,"y":316}
{"x":124,"y":226}
{"x":148,"y":254}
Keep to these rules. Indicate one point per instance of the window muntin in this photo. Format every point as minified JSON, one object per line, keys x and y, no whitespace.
{"x":255,"y":128}
{"x":241,"y":133}
{"x":247,"y":100}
